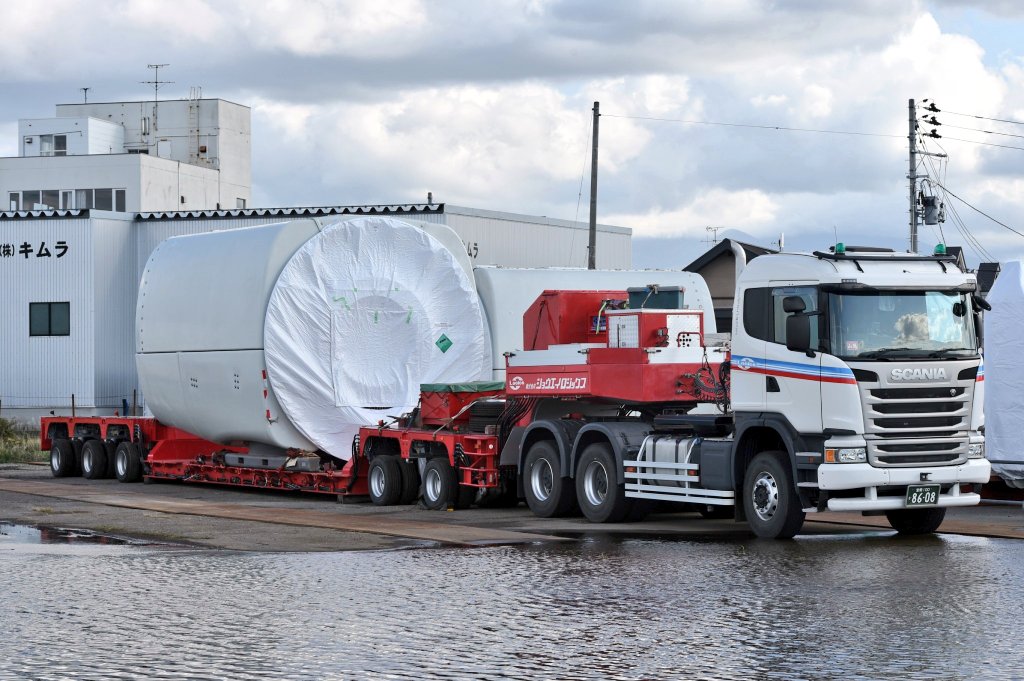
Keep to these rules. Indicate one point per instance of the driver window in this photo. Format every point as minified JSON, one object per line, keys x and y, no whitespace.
{"x":809,"y":295}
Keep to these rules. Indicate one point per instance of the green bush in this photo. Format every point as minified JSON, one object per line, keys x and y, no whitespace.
{"x":18,"y":445}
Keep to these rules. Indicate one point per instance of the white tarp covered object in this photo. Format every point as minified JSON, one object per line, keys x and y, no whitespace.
{"x":362,"y":314}
{"x":1004,"y":381}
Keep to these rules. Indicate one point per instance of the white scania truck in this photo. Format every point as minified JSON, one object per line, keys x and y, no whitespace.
{"x":852,"y":381}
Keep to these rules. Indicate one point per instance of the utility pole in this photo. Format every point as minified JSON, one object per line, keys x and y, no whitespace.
{"x":912,"y":176}
{"x":592,"y":247}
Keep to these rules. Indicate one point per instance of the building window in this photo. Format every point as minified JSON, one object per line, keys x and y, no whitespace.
{"x":53,"y":145}
{"x":104,"y":199}
{"x":49,"y":319}
{"x":65,"y":199}
{"x":51,"y":198}
{"x":30,"y":199}
{"x":119,"y":200}
{"x":14,"y":201}
{"x":239,"y":203}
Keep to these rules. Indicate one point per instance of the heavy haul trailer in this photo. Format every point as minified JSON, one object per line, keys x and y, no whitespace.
{"x":131,"y":448}
{"x":852,"y":382}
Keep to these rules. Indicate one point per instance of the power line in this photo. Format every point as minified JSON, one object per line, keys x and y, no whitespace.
{"x":984,"y":118}
{"x":960,"y":127}
{"x":986,"y":144}
{"x":752,"y":125}
{"x":978,"y":210}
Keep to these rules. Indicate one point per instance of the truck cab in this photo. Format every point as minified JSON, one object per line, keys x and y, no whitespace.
{"x":864,"y":368}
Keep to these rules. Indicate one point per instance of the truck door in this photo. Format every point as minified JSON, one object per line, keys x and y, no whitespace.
{"x":792,"y":379}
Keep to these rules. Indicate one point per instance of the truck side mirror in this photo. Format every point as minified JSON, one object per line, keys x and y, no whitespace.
{"x":798,"y":333}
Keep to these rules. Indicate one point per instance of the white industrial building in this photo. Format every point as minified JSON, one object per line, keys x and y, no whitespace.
{"x":71,"y":279}
{"x":129,"y":157}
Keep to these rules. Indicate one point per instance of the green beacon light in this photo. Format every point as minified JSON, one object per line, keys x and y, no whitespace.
{"x":840,"y":248}
{"x":940,"y":249}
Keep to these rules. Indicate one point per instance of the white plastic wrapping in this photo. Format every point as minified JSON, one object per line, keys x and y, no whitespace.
{"x":362,"y":314}
{"x":1004,"y":381}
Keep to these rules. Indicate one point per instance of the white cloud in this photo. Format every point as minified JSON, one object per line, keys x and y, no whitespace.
{"x":749,"y":209}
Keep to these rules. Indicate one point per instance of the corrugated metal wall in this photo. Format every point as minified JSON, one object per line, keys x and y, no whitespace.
{"x":47,"y":370}
{"x":115,"y":291}
{"x":511,"y":240}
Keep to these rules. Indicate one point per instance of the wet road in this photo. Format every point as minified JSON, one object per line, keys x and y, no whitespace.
{"x":864,"y":606}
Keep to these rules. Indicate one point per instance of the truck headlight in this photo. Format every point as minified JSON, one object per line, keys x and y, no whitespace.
{"x":976,"y":450}
{"x":846,"y":455}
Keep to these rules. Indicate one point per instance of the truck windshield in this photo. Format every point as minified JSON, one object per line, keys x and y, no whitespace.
{"x":901,"y":324}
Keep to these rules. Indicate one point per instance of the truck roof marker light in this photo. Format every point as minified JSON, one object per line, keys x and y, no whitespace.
{"x":940,"y":249}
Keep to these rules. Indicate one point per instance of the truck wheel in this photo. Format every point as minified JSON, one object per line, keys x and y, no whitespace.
{"x":127,"y":464}
{"x":601,"y":499}
{"x":440,"y":486}
{"x":916,"y":520}
{"x":410,"y":482}
{"x":385,"y":480}
{"x":94,"y":460}
{"x":62,"y":459}
{"x":769,"y":497}
{"x":548,"y":494}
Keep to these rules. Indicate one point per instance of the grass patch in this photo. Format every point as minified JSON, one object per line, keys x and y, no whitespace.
{"x":19,"y":445}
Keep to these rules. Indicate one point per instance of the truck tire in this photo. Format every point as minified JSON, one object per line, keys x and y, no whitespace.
{"x":916,"y":520}
{"x":384,"y":480}
{"x":62,"y":459}
{"x":600,"y":498}
{"x":548,"y":494}
{"x":410,"y":482}
{"x":94,"y":460}
{"x":769,"y":497}
{"x":127,"y":464}
{"x":440,"y":485}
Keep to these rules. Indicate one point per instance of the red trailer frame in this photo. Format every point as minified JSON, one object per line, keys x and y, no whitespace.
{"x":169,"y":453}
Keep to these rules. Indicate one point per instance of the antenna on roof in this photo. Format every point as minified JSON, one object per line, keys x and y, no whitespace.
{"x":713,"y":239}
{"x":156,"y":82}
{"x":85,"y":94}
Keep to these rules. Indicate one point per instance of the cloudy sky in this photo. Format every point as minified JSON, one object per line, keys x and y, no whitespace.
{"x":487,"y":104}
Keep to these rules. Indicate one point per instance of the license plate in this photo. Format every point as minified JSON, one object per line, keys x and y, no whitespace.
{"x":923,"y":495}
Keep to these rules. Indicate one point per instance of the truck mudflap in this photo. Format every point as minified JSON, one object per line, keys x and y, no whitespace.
{"x":869,"y":478}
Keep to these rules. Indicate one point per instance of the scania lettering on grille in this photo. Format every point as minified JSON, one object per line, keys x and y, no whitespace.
{"x":928,"y":374}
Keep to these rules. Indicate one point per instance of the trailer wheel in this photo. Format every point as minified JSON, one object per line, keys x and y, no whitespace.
{"x":916,"y":520}
{"x":94,"y":459}
{"x":410,"y":482}
{"x":385,"y":480}
{"x":440,"y":484}
{"x":601,"y":499}
{"x":62,"y":459}
{"x":548,"y":494}
{"x":127,"y":464}
{"x":769,"y":497}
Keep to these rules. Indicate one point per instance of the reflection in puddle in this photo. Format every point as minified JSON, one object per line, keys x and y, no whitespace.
{"x":59,"y":535}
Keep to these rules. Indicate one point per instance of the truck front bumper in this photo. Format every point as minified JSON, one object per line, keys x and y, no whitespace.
{"x":844,"y":476}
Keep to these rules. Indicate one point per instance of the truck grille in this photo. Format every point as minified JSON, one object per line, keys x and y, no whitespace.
{"x":914,"y":426}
